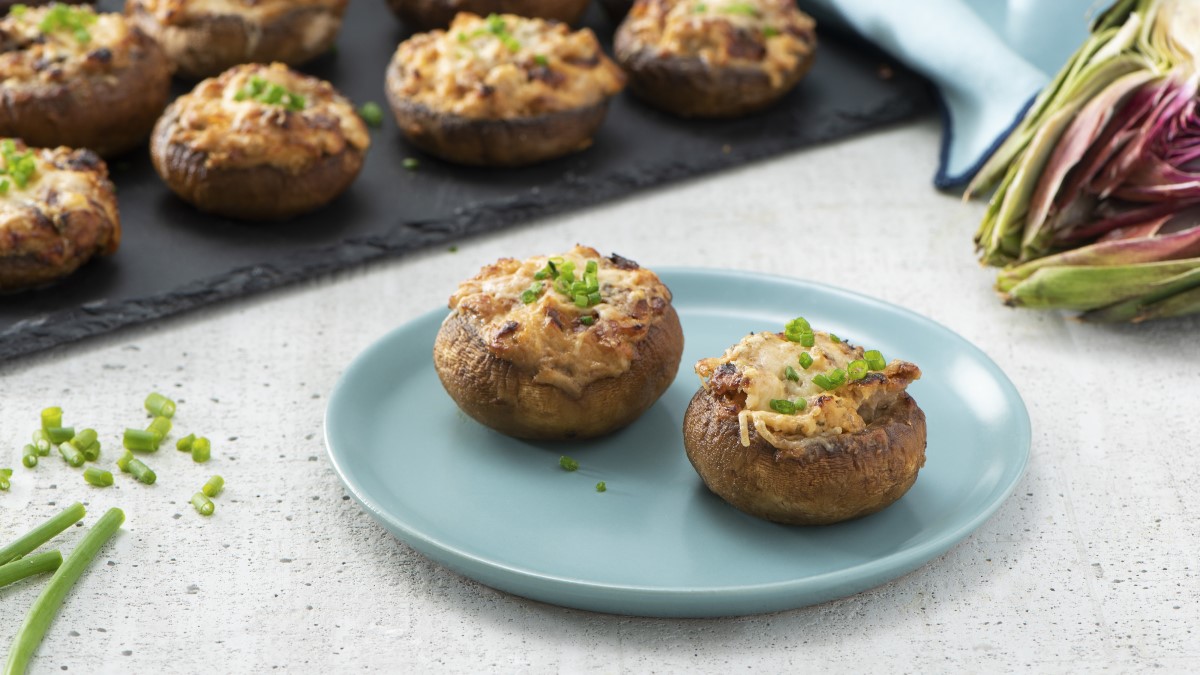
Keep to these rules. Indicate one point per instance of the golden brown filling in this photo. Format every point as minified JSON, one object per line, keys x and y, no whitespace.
{"x":769,"y":34}
{"x":254,"y":115}
{"x":174,"y":12}
{"x":791,"y":391}
{"x":536,"y":320}
{"x":55,"y":44}
{"x":505,"y":66}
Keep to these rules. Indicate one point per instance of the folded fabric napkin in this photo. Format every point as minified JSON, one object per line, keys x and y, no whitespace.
{"x":987,"y":58}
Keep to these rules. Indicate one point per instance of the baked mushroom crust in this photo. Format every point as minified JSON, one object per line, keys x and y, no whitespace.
{"x":259,"y":142}
{"x":523,"y":357}
{"x":501,"y":91}
{"x":57,"y":211}
{"x":205,"y":37}
{"x":428,"y":14}
{"x":790,"y":444}
{"x":78,"y":78}
{"x":714,"y":58}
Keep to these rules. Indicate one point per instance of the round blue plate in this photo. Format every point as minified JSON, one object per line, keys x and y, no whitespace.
{"x":657,"y":543}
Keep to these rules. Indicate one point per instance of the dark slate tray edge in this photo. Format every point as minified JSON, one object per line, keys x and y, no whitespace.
{"x":63,"y":328}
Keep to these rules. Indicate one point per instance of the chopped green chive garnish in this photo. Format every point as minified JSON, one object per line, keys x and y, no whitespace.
{"x":70,"y":453}
{"x":51,"y":417}
{"x":835,"y":339}
{"x":140,"y":471}
{"x":140,"y":439}
{"x":18,"y":10}
{"x":160,"y":406}
{"x":213,"y":486}
{"x":806,"y":360}
{"x":41,"y":441}
{"x":61,"y":434}
{"x":201,"y":450}
{"x":783,"y":406}
{"x":204,"y":505}
{"x":568,"y":464}
{"x":532,"y":293}
{"x":371,"y":113}
{"x":801,"y":404}
{"x":92,"y":452}
{"x":97,"y":477}
{"x":63,"y":17}
{"x":591,"y":267}
{"x":837,"y":377}
{"x":587,"y":320}
{"x":411,"y":163}
{"x":160,"y":427}
{"x":743,"y":8}
{"x":29,"y":456}
{"x":791,"y":374}
{"x":84,"y":438}
{"x":770,"y":31}
{"x":185,"y":443}
{"x":824,"y":382}
{"x":3,"y":186}
{"x":21,"y":167}
{"x":857,"y":369}
{"x":796,"y":327}
{"x":541,"y":60}
{"x":700,"y":8}
{"x":5,"y":474}
{"x":601,"y":487}
{"x":259,"y":89}
{"x":874,"y":359}
{"x":124,"y":460}
{"x":808,"y":340}
{"x":581,"y":300}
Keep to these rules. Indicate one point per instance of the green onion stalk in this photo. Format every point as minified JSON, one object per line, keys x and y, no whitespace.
{"x":1095,"y":201}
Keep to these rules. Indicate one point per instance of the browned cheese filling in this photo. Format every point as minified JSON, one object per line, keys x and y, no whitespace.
{"x":39,"y":197}
{"x":182,"y":12}
{"x":771,"y":35}
{"x":233,"y":120}
{"x":754,"y":372}
{"x":563,"y":344}
{"x":53,"y":45}
{"x":505,"y":66}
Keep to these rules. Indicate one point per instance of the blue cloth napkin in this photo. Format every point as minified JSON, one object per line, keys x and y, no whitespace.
{"x":987,"y":58}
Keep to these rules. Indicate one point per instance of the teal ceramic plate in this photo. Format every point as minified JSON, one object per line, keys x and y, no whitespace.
{"x":657,"y":543}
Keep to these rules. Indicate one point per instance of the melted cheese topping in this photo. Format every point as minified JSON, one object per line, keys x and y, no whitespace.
{"x":531,"y":67}
{"x":250,"y":133}
{"x":31,"y":58}
{"x":768,"y":34}
{"x":546,"y":337}
{"x":750,"y":374}
{"x":176,"y":12}
{"x":63,"y":182}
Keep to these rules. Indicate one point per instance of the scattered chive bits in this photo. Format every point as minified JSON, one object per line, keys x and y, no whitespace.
{"x":29,"y":455}
{"x":140,"y":471}
{"x":857,"y":369}
{"x":204,"y":505}
{"x":568,"y":464}
{"x":806,"y":360}
{"x":587,"y":320}
{"x":60,"y":434}
{"x":159,"y":405}
{"x":140,"y":439}
{"x":259,"y":89}
{"x":123,"y":461}
{"x":160,"y":427}
{"x":874,"y":359}
{"x":185,"y":444}
{"x":835,"y":339}
{"x":97,"y":477}
{"x":68,"y":19}
{"x":51,"y":418}
{"x":411,"y":163}
{"x":201,"y":450}
{"x":791,"y":374}
{"x":71,"y":454}
{"x":213,"y":486}
{"x":92,"y":452}
{"x":601,"y":487}
{"x":41,"y":441}
{"x":5,"y":474}
{"x":371,"y":113}
{"x":84,"y":438}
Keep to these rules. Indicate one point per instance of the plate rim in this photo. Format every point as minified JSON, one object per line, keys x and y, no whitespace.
{"x":857,"y":578}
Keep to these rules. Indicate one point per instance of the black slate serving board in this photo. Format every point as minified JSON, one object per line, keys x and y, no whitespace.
{"x":173,"y":258}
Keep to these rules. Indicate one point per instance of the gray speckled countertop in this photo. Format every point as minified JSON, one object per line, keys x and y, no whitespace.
{"x":1093,"y":563}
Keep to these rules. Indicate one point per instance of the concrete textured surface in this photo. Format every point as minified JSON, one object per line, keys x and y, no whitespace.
{"x":1092,"y":564}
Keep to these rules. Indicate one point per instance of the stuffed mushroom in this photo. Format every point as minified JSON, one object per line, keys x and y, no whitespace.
{"x":802,"y":428}
{"x":57,"y":211}
{"x":205,"y":37}
{"x":714,"y":58}
{"x":562,"y":347}
{"x":260,"y":142}
{"x":501,"y":91}
{"x":427,"y":14}
{"x":79,"y":78}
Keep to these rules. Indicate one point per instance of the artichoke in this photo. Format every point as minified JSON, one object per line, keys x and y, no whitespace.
{"x":1096,"y":193}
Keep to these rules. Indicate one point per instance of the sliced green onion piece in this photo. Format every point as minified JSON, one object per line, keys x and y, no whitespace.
{"x":567,"y":269}
{"x":857,"y":369}
{"x":29,"y":566}
{"x":806,"y":360}
{"x":593,"y":298}
{"x":159,"y":405}
{"x":581,"y":300}
{"x":835,"y":339}
{"x":37,"y":621}
{"x":97,"y":477}
{"x":41,"y":441}
{"x":783,"y":406}
{"x":201,"y":449}
{"x":185,"y":443}
{"x":29,"y":455}
{"x":213,"y":486}
{"x":591,"y":283}
{"x":123,"y":461}
{"x":92,"y":452}
{"x":4,"y":482}
{"x":587,"y":320}
{"x":601,"y":487}
{"x":874,"y":359}
{"x":528,"y":297}
{"x":160,"y":427}
{"x":70,"y":453}
{"x":140,"y":439}
{"x":796,"y":327}
{"x":808,"y":339}
{"x":411,"y":163}
{"x":568,"y":464}
{"x":837,"y":377}
{"x":61,"y":434}
{"x":84,"y":438}
{"x":51,"y":418}
{"x":140,"y":471}
{"x":371,"y":113}
{"x":43,"y":533}
{"x":562,"y":286}
{"x":591,"y":267}
{"x":801,"y":404}
{"x":791,"y":374}
{"x":579,"y":287}
{"x":545,"y":272}
{"x":204,"y":505}
{"x":824,"y":382}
